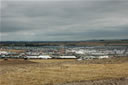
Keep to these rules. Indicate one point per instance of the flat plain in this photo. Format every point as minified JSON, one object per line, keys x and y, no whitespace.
{"x":60,"y":71}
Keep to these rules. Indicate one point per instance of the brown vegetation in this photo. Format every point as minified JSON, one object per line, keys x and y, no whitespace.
{"x":53,"y":71}
{"x":13,"y":50}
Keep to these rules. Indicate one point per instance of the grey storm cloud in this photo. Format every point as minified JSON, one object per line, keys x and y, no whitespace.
{"x":63,"y":20}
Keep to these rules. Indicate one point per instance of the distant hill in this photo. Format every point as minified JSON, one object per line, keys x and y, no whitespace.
{"x":123,"y":42}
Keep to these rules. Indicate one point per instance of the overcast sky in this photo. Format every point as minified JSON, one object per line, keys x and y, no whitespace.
{"x":59,"y":20}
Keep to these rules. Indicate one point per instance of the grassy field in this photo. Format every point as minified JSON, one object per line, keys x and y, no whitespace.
{"x":59,"y":71}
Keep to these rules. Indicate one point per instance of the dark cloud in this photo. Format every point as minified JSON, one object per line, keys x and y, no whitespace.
{"x":64,"y":20}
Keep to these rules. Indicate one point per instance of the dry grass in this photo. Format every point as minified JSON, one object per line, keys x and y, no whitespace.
{"x":51,"y":60}
{"x":13,"y":50}
{"x":52,"y":72}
